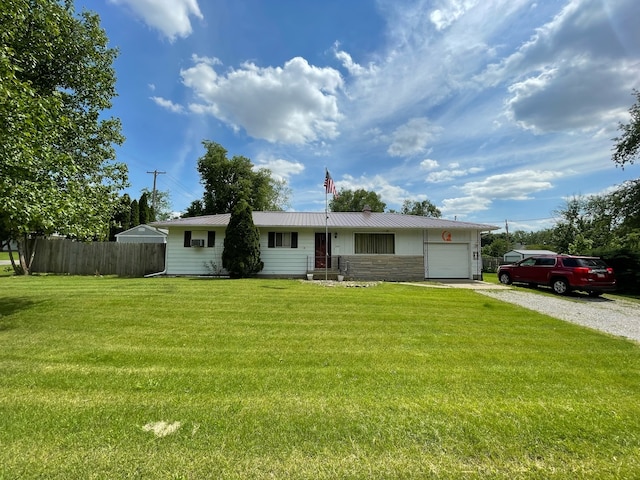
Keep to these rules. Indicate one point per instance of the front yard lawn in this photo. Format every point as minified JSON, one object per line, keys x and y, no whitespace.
{"x":189,"y":378}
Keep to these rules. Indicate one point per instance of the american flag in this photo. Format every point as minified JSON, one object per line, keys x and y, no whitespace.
{"x":329,"y":186}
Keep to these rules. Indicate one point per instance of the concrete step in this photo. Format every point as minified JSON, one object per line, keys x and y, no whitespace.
{"x":320,"y":274}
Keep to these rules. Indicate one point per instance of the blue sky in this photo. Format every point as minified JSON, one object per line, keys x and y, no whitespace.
{"x":493,"y":110}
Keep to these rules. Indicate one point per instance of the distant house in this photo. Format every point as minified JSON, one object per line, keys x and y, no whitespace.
{"x":359,"y":245}
{"x":513,"y":256}
{"x":142,"y":234}
{"x":5,"y":244}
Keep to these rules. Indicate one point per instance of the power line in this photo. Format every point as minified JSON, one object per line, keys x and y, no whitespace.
{"x":176,"y":182}
{"x":520,"y":220}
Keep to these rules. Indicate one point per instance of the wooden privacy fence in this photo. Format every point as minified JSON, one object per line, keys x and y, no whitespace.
{"x":98,"y":258}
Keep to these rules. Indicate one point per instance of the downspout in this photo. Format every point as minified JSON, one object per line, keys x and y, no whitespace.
{"x":479,"y":275}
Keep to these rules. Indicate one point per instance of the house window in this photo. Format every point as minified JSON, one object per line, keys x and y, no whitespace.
{"x":375,"y":243}
{"x":187,"y":238}
{"x":283,"y":240}
{"x":211,"y":239}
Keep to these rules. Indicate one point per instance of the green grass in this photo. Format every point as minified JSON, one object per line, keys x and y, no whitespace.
{"x":490,"y":277}
{"x":289,"y":379}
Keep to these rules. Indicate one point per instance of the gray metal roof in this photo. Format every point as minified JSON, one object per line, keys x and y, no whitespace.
{"x":353,"y":220}
{"x":531,"y":252}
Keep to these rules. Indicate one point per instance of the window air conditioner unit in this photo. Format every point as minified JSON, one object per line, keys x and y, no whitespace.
{"x":197,"y":243}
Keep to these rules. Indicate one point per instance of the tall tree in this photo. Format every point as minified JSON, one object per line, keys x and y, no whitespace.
{"x":625,"y":205}
{"x":497,"y":248}
{"x":196,"y":209}
{"x":600,"y":221}
{"x":162,"y":210}
{"x":355,"y":201}
{"x":241,"y":254}
{"x":627,"y":147}
{"x":121,"y":218}
{"x":135,"y":214}
{"x":57,"y":154}
{"x":573,"y":220}
{"x":144,"y":210}
{"x":227,"y":181}
{"x":422,"y":209}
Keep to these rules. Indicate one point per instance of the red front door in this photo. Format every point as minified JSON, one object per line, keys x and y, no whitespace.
{"x":323,"y":251}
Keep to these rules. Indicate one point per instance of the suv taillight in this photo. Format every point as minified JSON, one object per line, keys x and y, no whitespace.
{"x":610,"y":270}
{"x":584,"y":270}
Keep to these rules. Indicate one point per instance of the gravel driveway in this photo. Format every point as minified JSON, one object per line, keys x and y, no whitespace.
{"x":617,"y":317}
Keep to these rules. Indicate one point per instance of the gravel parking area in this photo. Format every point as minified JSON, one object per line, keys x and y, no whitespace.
{"x":617,"y":317}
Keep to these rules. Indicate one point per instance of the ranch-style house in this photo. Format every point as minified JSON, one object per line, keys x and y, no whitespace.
{"x":359,"y":245}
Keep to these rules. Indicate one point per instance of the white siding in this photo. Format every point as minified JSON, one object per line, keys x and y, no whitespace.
{"x":183,"y":260}
{"x":450,"y":252}
{"x":450,"y":236}
{"x":286,"y":260}
{"x":409,"y":243}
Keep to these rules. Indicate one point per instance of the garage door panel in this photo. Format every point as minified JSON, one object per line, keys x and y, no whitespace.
{"x":447,"y":261}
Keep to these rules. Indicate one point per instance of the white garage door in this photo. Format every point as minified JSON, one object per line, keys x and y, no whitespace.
{"x":447,"y":260}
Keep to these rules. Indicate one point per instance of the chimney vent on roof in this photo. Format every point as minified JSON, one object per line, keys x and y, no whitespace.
{"x":367,"y":209}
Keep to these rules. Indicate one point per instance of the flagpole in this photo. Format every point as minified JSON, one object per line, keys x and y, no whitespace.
{"x":326,"y":228}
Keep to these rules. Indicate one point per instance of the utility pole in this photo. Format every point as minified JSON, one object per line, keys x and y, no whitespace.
{"x":153,"y":195}
{"x":506,"y":227}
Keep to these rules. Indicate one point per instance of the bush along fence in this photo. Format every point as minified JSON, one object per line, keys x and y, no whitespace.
{"x":98,"y":258}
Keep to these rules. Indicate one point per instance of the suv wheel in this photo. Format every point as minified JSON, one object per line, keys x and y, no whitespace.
{"x":560,"y":286}
{"x":505,"y":278}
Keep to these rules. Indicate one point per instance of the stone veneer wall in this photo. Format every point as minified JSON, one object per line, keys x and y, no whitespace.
{"x":383,"y":267}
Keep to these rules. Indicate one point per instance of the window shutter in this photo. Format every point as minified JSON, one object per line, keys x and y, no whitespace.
{"x":187,"y":238}
{"x":294,"y":239}
{"x":211,"y":239}
{"x":272,"y":240}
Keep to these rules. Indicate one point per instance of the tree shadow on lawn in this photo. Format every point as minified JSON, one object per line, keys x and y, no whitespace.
{"x":8,"y":307}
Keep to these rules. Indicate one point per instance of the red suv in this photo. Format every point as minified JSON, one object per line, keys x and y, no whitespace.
{"x":563,"y":273}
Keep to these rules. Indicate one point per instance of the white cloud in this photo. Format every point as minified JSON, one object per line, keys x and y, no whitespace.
{"x":479,"y":196}
{"x":296,"y":103}
{"x":390,"y":194}
{"x":206,"y":60}
{"x":281,"y":169}
{"x":412,"y":137}
{"x":352,"y":67}
{"x":569,"y":98}
{"x":421,"y":68}
{"x":170,"y":17}
{"x":428,"y":164}
{"x":462,"y":206}
{"x":449,"y":12}
{"x":168,"y":104}
{"x":514,"y":186}
{"x":576,"y":71}
{"x":452,"y":173}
